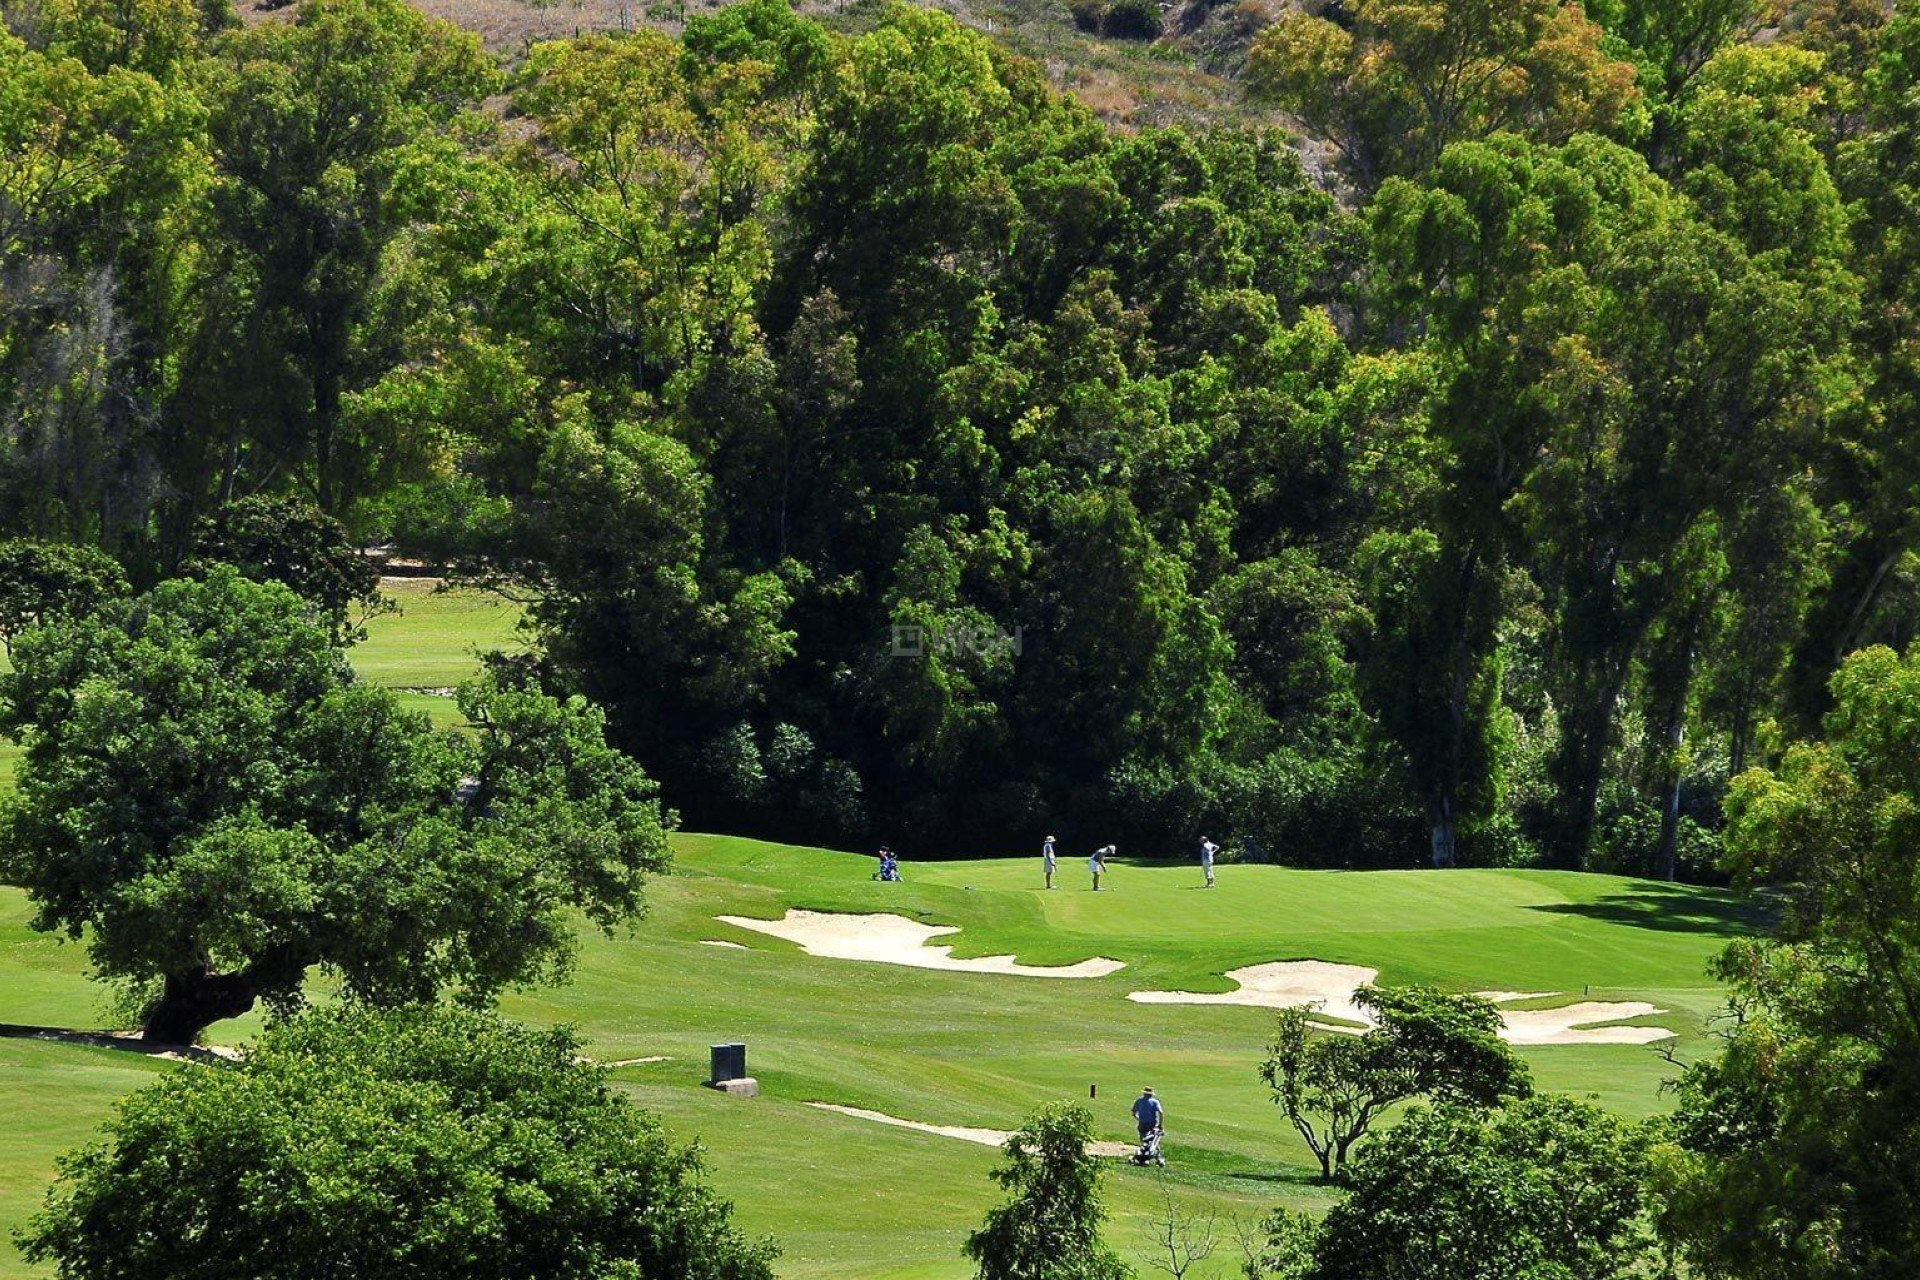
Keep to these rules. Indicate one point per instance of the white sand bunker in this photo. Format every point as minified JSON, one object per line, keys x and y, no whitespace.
{"x":889,"y":939}
{"x":1569,"y":1024}
{"x":715,"y":942}
{"x":982,"y":1137}
{"x":1283,"y":985}
{"x":1288,"y":983}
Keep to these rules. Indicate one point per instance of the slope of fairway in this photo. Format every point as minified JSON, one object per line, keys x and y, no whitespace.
{"x":849,"y":1197}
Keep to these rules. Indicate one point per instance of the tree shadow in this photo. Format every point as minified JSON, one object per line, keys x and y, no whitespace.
{"x":124,"y":1043}
{"x":1675,"y":909}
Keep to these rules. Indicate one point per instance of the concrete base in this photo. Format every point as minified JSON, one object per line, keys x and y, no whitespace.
{"x":744,"y":1087}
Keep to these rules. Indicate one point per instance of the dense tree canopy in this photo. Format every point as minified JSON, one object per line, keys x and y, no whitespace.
{"x":211,"y":801}
{"x":1797,"y":1149}
{"x":894,"y":451}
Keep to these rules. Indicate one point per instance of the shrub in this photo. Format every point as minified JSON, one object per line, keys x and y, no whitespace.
{"x":1132,"y":20}
{"x":422,"y":1144}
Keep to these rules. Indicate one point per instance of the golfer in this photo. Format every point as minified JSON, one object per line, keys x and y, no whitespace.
{"x":1207,"y":849}
{"x":1098,"y":862}
{"x":1147,"y":1112}
{"x":1046,"y":860}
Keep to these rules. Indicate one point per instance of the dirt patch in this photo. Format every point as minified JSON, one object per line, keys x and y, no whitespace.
{"x":883,"y":938}
{"x":980,"y":1137}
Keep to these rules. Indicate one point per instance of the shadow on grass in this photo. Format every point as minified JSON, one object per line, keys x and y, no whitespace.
{"x":1674,"y":909}
{"x":128,"y":1043}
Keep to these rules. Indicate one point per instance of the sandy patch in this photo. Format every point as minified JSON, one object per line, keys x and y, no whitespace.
{"x":715,"y":942}
{"x":889,"y":939}
{"x":637,"y":1062}
{"x":1289,"y":983}
{"x":1283,"y":985}
{"x":981,"y":1137}
{"x":1570,"y":1024}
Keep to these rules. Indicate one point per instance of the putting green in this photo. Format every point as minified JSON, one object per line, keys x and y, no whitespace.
{"x":849,"y":1197}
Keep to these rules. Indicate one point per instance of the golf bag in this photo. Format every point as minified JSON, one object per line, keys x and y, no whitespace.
{"x":1149,"y":1152}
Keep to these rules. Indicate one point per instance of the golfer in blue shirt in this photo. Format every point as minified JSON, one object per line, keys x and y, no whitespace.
{"x":1146,"y":1112}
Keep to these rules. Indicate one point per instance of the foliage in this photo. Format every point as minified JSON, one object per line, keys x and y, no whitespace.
{"x":1392,"y":83}
{"x":1489,"y":514}
{"x":417,"y":1142}
{"x":213,"y":804}
{"x":297,"y":545}
{"x":1546,"y":1186}
{"x":1049,"y":1228}
{"x":45,"y":581}
{"x":1795,"y":1148}
{"x":1334,"y":1086}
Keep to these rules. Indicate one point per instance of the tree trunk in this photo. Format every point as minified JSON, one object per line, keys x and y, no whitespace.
{"x":192,"y":1001}
{"x":1675,"y":736}
{"x":1442,"y":828}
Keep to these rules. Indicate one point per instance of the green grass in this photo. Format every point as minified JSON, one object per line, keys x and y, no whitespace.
{"x":53,"y":1095}
{"x":435,"y":639}
{"x":849,"y":1198}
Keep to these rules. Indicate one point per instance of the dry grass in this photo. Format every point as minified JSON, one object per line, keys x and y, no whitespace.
{"x":1127,"y":84}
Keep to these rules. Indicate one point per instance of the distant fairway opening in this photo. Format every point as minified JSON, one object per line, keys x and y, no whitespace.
{"x":1287,"y":984}
{"x":884,"y":938}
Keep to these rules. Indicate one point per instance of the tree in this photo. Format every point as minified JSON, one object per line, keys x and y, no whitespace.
{"x":296,"y":544}
{"x":44,"y":581}
{"x":310,"y":124}
{"x":425,"y":1143}
{"x":1175,"y":1241}
{"x":1049,"y":1227}
{"x":1334,"y":1086}
{"x":1394,"y":82}
{"x":1546,"y":1186}
{"x":212,"y":802}
{"x":1799,"y":1148}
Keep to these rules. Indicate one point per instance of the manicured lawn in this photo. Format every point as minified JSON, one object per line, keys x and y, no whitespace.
{"x":851,"y":1198}
{"x":53,"y":1096}
{"x":433,"y":642}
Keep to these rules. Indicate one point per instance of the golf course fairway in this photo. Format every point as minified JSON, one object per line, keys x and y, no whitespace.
{"x":850,"y":1197}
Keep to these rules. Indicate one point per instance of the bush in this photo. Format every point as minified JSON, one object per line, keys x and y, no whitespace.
{"x":1132,"y":20}
{"x":1545,"y":1187}
{"x":417,"y":1144}
{"x":1049,"y":1227}
{"x":1087,"y":14}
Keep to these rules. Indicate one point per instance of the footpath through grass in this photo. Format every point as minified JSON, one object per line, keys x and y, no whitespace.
{"x":849,"y":1198}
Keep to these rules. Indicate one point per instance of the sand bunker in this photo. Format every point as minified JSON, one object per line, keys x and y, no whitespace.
{"x":715,"y":942}
{"x":1288,"y":983}
{"x":1282,"y":986}
{"x":982,"y":1137}
{"x":1569,"y":1024}
{"x":890,"y":939}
